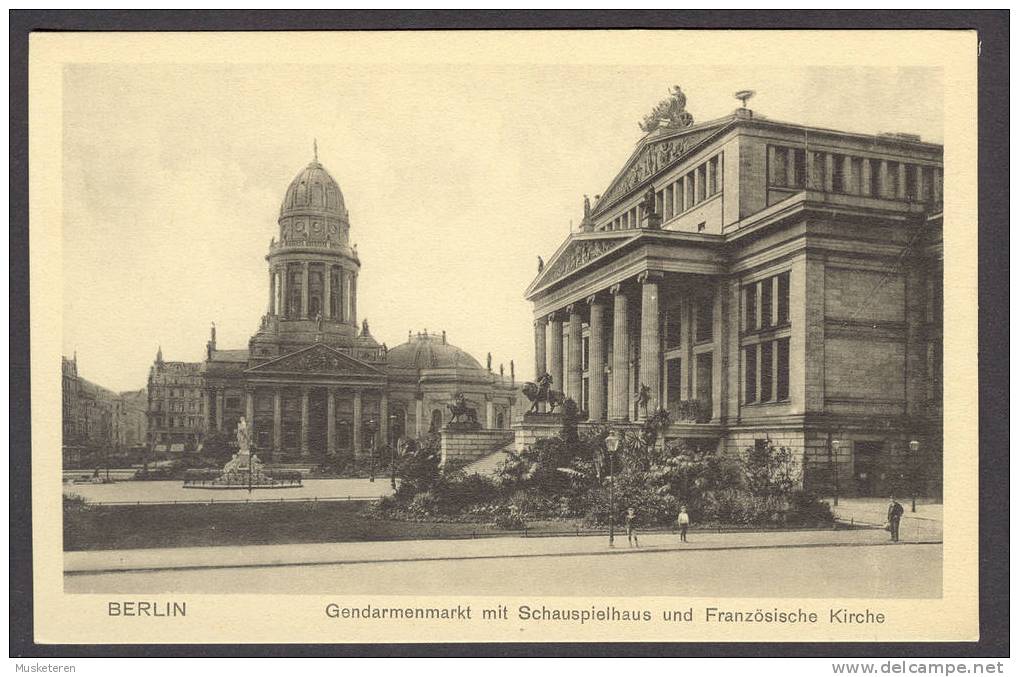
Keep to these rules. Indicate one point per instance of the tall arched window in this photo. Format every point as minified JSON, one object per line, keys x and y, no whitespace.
{"x":334,"y":293}
{"x":315,"y":291}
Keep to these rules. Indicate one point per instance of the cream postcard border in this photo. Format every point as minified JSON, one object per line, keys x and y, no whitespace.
{"x":75,"y":618}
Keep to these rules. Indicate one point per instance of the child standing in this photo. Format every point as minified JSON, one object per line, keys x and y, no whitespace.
{"x":684,"y":523}
{"x":631,"y":527}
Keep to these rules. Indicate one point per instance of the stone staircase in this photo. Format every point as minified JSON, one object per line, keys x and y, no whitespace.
{"x":487,"y":465}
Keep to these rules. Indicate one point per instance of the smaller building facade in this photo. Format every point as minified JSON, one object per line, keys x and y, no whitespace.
{"x":97,"y":420}
{"x":176,"y":406}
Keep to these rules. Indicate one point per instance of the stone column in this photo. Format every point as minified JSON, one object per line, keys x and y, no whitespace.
{"x":383,"y":419}
{"x":883,"y":187}
{"x":575,"y":346}
{"x":249,"y":408}
{"x":304,"y":420}
{"x":327,"y":293}
{"x":284,"y":291}
{"x":489,"y":412}
{"x":419,"y":414}
{"x":219,"y":410}
{"x":540,"y":326}
{"x":304,"y":289}
{"x":900,"y":185}
{"x":865,"y":177}
{"x":353,"y":298}
{"x":272,"y":291}
{"x":829,"y":172}
{"x":619,"y":408}
{"x":650,"y":338}
{"x":596,"y":359}
{"x":331,"y":422}
{"x":808,"y":173}
{"x":277,"y":420}
{"x":357,"y":423}
{"x":555,"y":357}
{"x":849,"y":180}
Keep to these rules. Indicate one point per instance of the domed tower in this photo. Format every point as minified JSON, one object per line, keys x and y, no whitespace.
{"x":312,"y":272}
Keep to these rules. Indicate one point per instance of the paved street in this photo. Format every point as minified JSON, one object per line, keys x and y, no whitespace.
{"x":173,"y":491}
{"x":854,"y":563}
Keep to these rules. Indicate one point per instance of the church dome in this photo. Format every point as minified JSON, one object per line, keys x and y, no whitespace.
{"x":430,"y":351}
{"x":313,"y":192}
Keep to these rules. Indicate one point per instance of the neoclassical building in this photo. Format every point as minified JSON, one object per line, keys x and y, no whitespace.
{"x":763,"y":280}
{"x":313,"y":380}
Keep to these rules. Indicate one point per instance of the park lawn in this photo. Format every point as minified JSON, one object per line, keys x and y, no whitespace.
{"x":122,"y":527}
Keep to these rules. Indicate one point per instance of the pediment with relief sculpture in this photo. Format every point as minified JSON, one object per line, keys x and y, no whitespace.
{"x":652,"y":158}
{"x":317,"y":359}
{"x":578,"y":252}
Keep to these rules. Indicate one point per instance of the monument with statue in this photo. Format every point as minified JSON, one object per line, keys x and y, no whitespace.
{"x":242,"y":471}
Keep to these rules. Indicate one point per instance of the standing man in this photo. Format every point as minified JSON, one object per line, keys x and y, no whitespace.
{"x":894,"y":516}
{"x":684,"y":523}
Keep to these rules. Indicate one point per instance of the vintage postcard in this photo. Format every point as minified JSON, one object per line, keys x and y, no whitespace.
{"x":504,"y":336}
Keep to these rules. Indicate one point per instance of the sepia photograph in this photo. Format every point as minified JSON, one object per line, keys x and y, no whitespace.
{"x":610,"y":343}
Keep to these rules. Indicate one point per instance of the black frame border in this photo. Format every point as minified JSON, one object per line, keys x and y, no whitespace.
{"x":993,"y":320}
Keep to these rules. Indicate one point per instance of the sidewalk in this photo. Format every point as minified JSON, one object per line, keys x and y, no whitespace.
{"x":925,"y":524}
{"x":99,"y":561}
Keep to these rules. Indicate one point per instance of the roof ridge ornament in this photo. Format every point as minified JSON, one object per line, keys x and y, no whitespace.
{"x":670,"y":113}
{"x":314,"y":146}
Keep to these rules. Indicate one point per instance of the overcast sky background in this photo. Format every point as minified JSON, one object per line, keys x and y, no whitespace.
{"x":456,"y":178}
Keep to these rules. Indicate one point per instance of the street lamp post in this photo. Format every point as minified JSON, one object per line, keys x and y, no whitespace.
{"x":835,"y":444}
{"x":611,"y":445}
{"x":914,"y":447}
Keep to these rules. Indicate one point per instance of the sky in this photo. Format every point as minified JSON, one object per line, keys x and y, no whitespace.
{"x":456,"y":178}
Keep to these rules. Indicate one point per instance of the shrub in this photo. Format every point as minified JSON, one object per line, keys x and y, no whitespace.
{"x":740,"y":507}
{"x":769,"y":470}
{"x":423,"y":504}
{"x":807,"y":509}
{"x":510,"y":521}
{"x":652,"y":505}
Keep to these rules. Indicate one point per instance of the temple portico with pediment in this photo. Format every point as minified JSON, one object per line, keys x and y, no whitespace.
{"x":760,"y":281}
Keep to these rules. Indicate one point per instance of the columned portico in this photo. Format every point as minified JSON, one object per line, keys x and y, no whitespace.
{"x":555,"y":358}
{"x":619,"y":406}
{"x":358,"y":450}
{"x":596,"y":359}
{"x":650,"y":338}
{"x":331,"y":422}
{"x":575,"y":371}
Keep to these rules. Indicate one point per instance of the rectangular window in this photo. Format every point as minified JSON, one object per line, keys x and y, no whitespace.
{"x":586,"y":348}
{"x":798,"y":158}
{"x":702,"y":181}
{"x":838,"y":181}
{"x":750,"y":377}
{"x":783,"y":298}
{"x":750,"y":303}
{"x":782,"y":370}
{"x":766,"y":373}
{"x":672,"y":327}
{"x":680,"y":196}
{"x":713,"y":175}
{"x":668,"y":202}
{"x":704,"y":313}
{"x":660,"y":203}
{"x":701,"y":226}
{"x":777,"y":173}
{"x":689,"y":180}
{"x":766,"y":291}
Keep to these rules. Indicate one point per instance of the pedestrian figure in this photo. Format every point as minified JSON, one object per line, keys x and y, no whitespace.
{"x":631,"y":527}
{"x":684,"y":523}
{"x":894,"y":516}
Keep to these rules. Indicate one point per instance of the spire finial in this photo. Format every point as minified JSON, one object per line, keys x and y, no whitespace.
{"x":314,"y":145}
